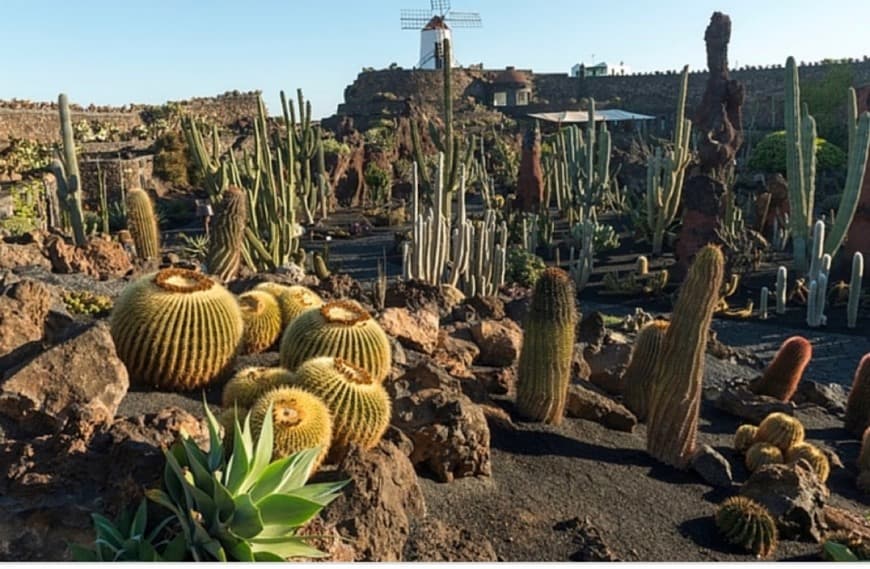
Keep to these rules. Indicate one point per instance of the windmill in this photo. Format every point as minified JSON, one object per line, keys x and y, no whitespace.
{"x":434,"y":26}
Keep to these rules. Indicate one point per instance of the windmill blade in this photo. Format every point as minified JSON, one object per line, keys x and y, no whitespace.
{"x":440,"y":7}
{"x":414,"y":19}
{"x":464,"y":20}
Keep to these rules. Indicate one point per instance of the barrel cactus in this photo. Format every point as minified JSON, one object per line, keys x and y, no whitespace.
{"x":748,"y":524}
{"x":293,"y":300}
{"x":246,"y":386}
{"x":780,"y":430}
{"x":858,"y":406}
{"x":548,"y":344}
{"x":782,"y":376}
{"x":813,"y":455}
{"x":646,"y":351}
{"x":675,"y":388}
{"x":176,"y":329}
{"x":142,"y":224}
{"x":228,"y":235}
{"x":744,"y":437}
{"x":341,"y":329}
{"x":300,"y":421}
{"x":262,"y":317}
{"x":360,"y":407}
{"x":760,"y":454}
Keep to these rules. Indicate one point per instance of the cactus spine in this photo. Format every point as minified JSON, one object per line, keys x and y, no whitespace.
{"x":548,"y":343}
{"x":675,"y":391}
{"x":646,"y":351}
{"x":66,"y":172}
{"x":782,"y":376}
{"x":748,"y":524}
{"x":142,"y":224}
{"x":228,"y":235}
{"x":855,"y":289}
{"x":176,"y":329}
{"x":858,"y":405}
{"x":262,"y":317}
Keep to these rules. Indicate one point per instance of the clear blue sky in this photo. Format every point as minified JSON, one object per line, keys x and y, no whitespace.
{"x":150,"y":51}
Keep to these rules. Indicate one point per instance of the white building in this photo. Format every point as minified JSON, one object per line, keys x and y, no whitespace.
{"x":600,"y":69}
{"x":432,"y":44}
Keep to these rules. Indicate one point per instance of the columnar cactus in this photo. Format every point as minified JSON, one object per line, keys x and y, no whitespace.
{"x":782,"y":376}
{"x":246,"y":386}
{"x":863,"y":481}
{"x":142,"y":224}
{"x":548,"y":344}
{"x":360,"y":407}
{"x":747,"y":524}
{"x":341,"y":329}
{"x":675,"y":390}
{"x":176,"y":329}
{"x":262,"y":317}
{"x":781,"y":289}
{"x":762,"y":453}
{"x":855,"y":289}
{"x":228,"y":235}
{"x":744,"y":437}
{"x":646,"y":351}
{"x":780,"y":430}
{"x":293,"y":300}
{"x":300,"y":421}
{"x":858,"y":406}
{"x":66,"y":172}
{"x":813,"y":455}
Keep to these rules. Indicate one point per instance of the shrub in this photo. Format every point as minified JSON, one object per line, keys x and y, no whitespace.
{"x":769,"y":154}
{"x":378,"y":180}
{"x":524,"y":268}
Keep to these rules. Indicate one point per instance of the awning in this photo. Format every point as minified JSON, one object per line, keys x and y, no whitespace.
{"x":609,"y":115}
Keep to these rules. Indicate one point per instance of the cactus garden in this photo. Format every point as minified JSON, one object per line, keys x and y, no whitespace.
{"x":441,"y":324}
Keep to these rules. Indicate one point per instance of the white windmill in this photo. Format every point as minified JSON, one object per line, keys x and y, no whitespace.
{"x":434,"y":26}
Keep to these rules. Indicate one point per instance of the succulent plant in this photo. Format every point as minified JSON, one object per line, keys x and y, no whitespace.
{"x":548,"y":344}
{"x":780,"y":430}
{"x":300,"y":421}
{"x":86,"y":302}
{"x":844,"y":545}
{"x":360,"y":407}
{"x":858,"y":406}
{"x":246,"y":386}
{"x":646,"y":351}
{"x":675,"y":388}
{"x":762,"y":453}
{"x":228,"y":235}
{"x":744,"y":437}
{"x":781,"y":377}
{"x":176,"y":329}
{"x":262,"y":317}
{"x":320,"y":268}
{"x":341,"y":329}
{"x":142,"y":224}
{"x":747,"y":524}
{"x":293,"y":300}
{"x":814,"y":456}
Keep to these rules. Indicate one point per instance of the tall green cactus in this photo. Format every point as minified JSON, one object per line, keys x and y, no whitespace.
{"x":548,"y":344}
{"x":228,"y":235}
{"x":66,"y":172}
{"x":142,"y":224}
{"x":675,"y":387}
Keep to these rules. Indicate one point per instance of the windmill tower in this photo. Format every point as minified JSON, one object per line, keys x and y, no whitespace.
{"x":435,"y":26}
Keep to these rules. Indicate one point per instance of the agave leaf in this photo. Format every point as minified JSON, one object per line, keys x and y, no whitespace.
{"x":107,"y":531}
{"x":175,"y":468}
{"x":173,"y":485}
{"x":241,"y":551}
{"x":299,"y":472}
{"x":162,"y":498}
{"x":80,"y":553}
{"x":247,"y":520}
{"x":146,"y":552}
{"x":237,"y":467}
{"x":262,"y":454}
{"x":176,"y":550}
{"x":323,"y":493}
{"x":289,"y":510}
{"x":285,"y":547}
{"x":839,"y":552}
{"x":215,"y":446}
{"x":268,"y":557}
{"x":155,"y":533}
{"x":199,"y":466}
{"x":204,"y":504}
{"x":270,"y":478}
{"x":140,"y":520}
{"x":224,"y":502}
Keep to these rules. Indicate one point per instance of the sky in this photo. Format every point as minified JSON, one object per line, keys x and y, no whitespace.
{"x":113,"y":52}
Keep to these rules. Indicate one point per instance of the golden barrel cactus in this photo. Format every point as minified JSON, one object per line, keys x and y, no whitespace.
{"x":176,"y":329}
{"x":262,"y":317}
{"x":244,"y":388}
{"x":814,"y":456}
{"x":360,"y":407}
{"x":760,"y":454}
{"x":341,"y":329}
{"x":646,"y":351}
{"x":300,"y":421}
{"x":780,"y":430}
{"x":293,"y":300}
{"x":744,"y":437}
{"x":748,"y":524}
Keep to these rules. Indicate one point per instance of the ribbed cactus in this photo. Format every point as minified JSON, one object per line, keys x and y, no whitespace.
{"x":781,"y":377}
{"x":66,"y":172}
{"x":293,"y":300}
{"x":646,"y":351}
{"x":176,"y":329}
{"x":780,"y":430}
{"x":762,"y":453}
{"x":228,"y":235}
{"x":747,"y":524}
{"x":548,"y":343}
{"x":675,"y":390}
{"x":262,"y":317}
{"x":360,"y":407}
{"x":781,"y":289}
{"x":246,"y":386}
{"x":300,"y":421}
{"x":858,"y":406}
{"x":855,"y":283}
{"x":744,"y":437}
{"x":814,"y":456}
{"x":320,"y":268}
{"x":341,"y":329}
{"x":142,"y":224}
{"x":863,"y":481}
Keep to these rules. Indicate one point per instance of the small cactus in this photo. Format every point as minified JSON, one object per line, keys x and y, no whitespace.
{"x":244,"y":388}
{"x":858,"y":406}
{"x":320,"y":268}
{"x":780,"y":430}
{"x":780,"y":379}
{"x":548,"y":343}
{"x":744,"y":437}
{"x":813,"y":455}
{"x":360,"y":407}
{"x":300,"y":421}
{"x":341,"y":329}
{"x":760,"y":454}
{"x":262,"y":317}
{"x":228,"y":235}
{"x":142,"y":224}
{"x":293,"y":300}
{"x":748,"y":524}
{"x":646,"y":351}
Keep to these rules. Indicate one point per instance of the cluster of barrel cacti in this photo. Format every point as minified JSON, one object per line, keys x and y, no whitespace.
{"x":779,"y":439}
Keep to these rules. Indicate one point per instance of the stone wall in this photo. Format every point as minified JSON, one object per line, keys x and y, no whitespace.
{"x":119,"y":173}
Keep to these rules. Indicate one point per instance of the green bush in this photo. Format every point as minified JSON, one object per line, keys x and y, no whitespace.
{"x":524,"y":268}
{"x":170,"y":161}
{"x":769,"y":154}
{"x":379,"y":181}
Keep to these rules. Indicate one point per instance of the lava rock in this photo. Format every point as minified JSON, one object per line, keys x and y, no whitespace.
{"x":586,"y":404}
{"x":607,"y":364}
{"x":712,"y":467}
{"x":14,"y":256}
{"x":746,"y":405}
{"x":486,"y":307}
{"x":794,"y":496}
{"x":23,"y":309}
{"x":831,"y":396}
{"x":499,"y":342}
{"x":591,"y":329}
{"x":415,"y":330}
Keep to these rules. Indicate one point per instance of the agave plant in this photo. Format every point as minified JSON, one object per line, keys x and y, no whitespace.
{"x":244,"y":507}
